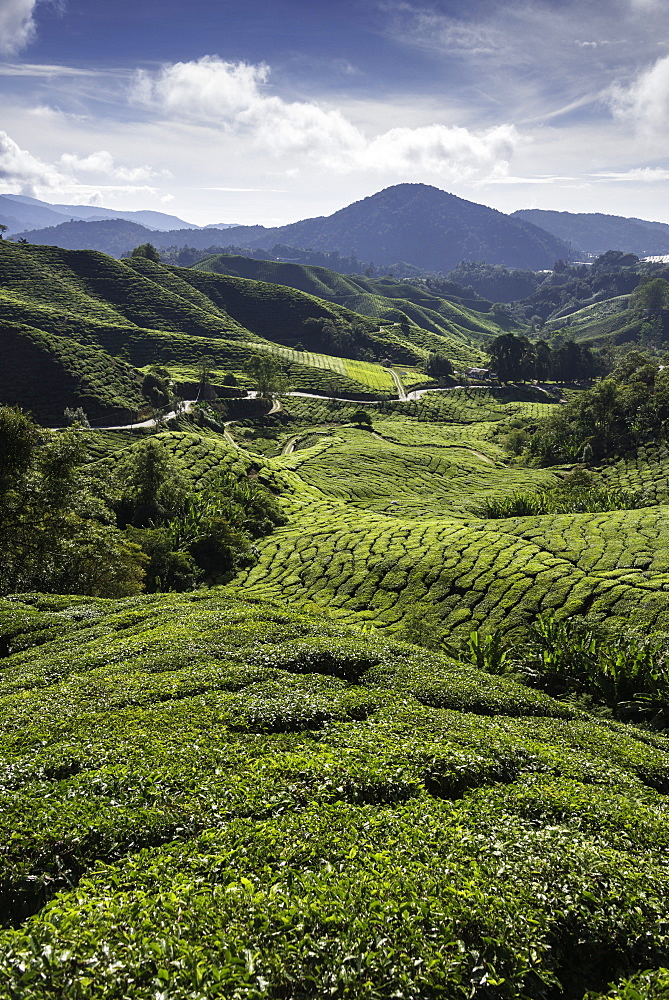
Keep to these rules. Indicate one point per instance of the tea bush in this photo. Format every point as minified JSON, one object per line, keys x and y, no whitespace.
{"x":205,"y":796}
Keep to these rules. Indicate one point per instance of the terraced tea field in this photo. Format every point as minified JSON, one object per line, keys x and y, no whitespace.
{"x":262,"y":791}
{"x":212,"y":798}
{"x":381,"y":519}
{"x":85,"y":322}
{"x":647,"y":469}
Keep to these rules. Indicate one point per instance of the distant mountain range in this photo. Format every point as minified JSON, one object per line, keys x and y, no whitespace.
{"x":417,"y":223}
{"x":25,"y":214}
{"x":593,"y":233}
{"x":408,"y":222}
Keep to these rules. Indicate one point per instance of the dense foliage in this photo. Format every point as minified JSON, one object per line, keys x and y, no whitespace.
{"x":210,"y":798}
{"x":615,"y":415}
{"x":73,"y":527}
{"x":517,"y":358}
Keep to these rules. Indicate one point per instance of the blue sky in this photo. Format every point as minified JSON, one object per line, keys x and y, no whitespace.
{"x":279,"y":110}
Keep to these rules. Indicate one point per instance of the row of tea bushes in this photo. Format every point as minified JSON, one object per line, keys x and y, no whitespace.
{"x":204,"y":796}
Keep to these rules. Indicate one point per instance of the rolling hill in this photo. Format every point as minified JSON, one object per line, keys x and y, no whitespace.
{"x":92,"y":309}
{"x":384,"y":299}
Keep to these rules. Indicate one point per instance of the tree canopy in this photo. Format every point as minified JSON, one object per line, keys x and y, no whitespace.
{"x":69,"y":526}
{"x":518,"y":359}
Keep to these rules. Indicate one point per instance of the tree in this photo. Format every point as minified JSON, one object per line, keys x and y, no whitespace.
{"x":542,"y":360}
{"x":651,"y":297}
{"x":265,"y":369}
{"x":362,"y":419}
{"x":76,"y":415}
{"x":58,"y":532}
{"x":152,"y":486}
{"x":3,"y":229}
{"x":148,"y":251}
{"x":506,"y":354}
{"x":157,"y":386}
{"x":205,"y":389}
{"x":438,"y":365}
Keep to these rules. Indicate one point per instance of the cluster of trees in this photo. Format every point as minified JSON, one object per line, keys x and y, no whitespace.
{"x":651,"y":297}
{"x":438,"y":365}
{"x":516,"y":358}
{"x":69,"y":526}
{"x":614,"y":416}
{"x":148,"y":251}
{"x":493,"y":282}
{"x":326,"y":335}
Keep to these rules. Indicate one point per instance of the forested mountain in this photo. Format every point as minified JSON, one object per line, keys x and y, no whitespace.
{"x":423,"y":225}
{"x":416,"y":223}
{"x":593,"y":233}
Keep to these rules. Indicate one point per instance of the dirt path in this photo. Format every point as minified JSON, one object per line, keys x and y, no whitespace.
{"x":398,"y":385}
{"x":188,"y":405}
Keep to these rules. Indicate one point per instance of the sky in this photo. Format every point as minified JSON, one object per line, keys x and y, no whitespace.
{"x":278,"y":110}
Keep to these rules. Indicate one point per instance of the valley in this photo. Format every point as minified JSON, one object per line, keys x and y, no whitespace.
{"x":303,"y":692}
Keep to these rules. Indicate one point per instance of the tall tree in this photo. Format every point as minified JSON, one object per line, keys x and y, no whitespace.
{"x":265,"y":369}
{"x":506,"y":354}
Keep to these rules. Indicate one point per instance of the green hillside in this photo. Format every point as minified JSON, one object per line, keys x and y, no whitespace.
{"x":90,"y":309}
{"x":411,"y":749}
{"x":45,"y":373}
{"x":611,"y":319}
{"x":384,"y":299}
{"x":208,"y":797}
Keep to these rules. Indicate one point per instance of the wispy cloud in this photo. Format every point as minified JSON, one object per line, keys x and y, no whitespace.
{"x":540,"y":179}
{"x":240,"y":190}
{"x":647,"y":175}
{"x":48,"y":70}
{"x":531,"y":55}
{"x":235,"y":99}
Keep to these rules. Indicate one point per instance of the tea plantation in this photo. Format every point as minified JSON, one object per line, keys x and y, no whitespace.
{"x":204,"y":796}
{"x":86,"y":322}
{"x":342,"y":774}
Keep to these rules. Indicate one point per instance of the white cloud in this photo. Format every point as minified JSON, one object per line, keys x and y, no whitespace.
{"x":448,"y":150}
{"x":645,"y":102}
{"x":234,"y":98}
{"x":23,"y":173}
{"x":102,"y":162}
{"x":17,"y":26}
{"x":19,"y":168}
